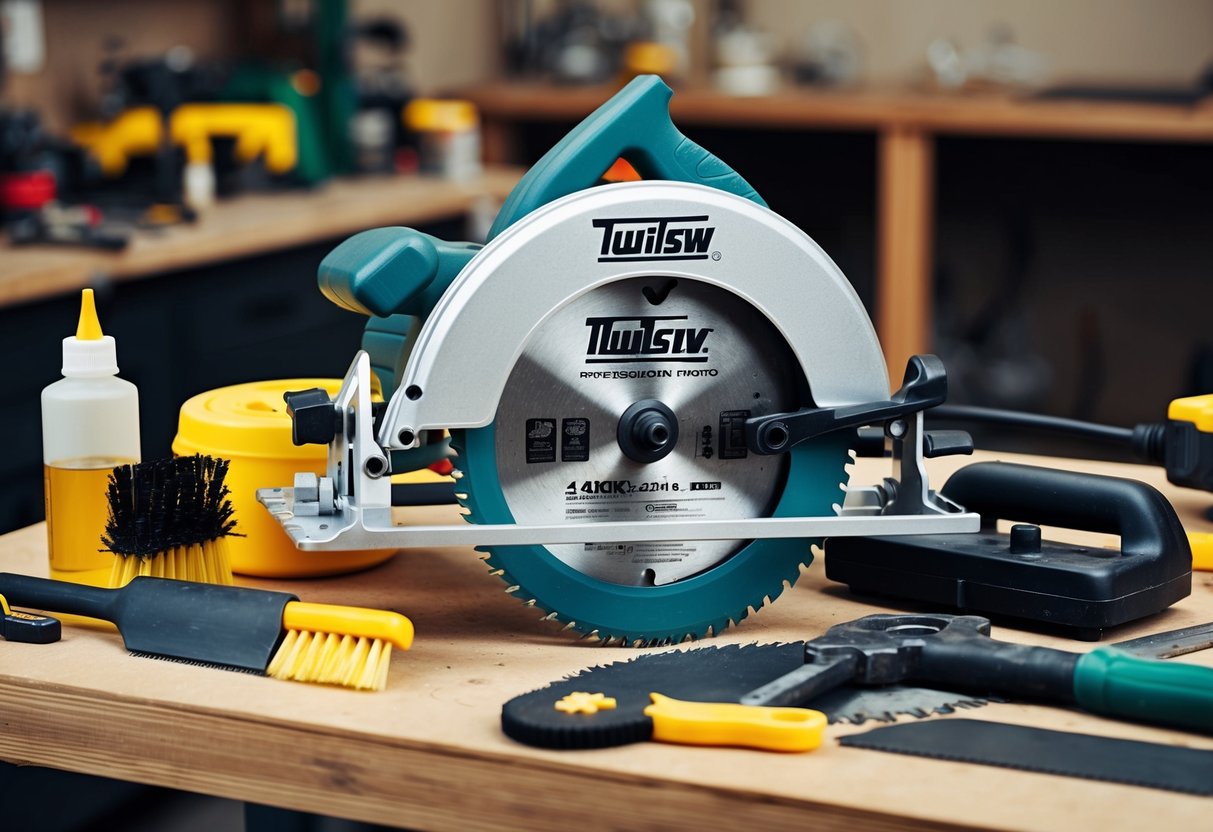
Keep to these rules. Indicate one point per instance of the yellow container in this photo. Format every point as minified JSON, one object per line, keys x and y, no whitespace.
{"x":248,"y":424}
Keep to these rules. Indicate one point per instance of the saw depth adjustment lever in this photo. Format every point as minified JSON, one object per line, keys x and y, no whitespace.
{"x":925,"y":385}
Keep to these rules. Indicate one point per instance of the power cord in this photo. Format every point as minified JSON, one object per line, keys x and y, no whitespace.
{"x":1179,"y":445}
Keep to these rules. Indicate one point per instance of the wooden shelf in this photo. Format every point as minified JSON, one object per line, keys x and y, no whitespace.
{"x":971,"y":114}
{"x":248,"y":226}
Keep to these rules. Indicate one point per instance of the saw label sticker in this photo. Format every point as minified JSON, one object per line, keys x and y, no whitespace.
{"x":540,"y":440}
{"x":575,"y":440}
{"x":732,"y":434}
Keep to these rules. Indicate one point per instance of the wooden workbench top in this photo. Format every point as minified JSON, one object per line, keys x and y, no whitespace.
{"x":996,"y":114}
{"x":246,"y":226}
{"x":428,"y":752}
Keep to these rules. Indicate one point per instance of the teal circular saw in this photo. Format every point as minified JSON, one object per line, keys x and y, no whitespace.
{"x":651,"y":389}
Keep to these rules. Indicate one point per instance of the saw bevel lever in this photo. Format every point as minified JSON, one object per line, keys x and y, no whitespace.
{"x":925,"y":385}
{"x":955,"y":652}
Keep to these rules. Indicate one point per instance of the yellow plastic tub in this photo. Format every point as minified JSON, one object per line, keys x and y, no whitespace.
{"x":248,"y":424}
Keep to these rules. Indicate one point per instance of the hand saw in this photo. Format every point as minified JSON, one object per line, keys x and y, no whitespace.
{"x":652,"y":388}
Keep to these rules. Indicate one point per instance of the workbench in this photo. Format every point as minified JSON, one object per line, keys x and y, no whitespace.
{"x":428,"y":752}
{"x":906,"y":124}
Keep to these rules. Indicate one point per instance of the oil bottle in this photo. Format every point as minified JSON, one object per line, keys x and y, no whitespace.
{"x":90,"y":424}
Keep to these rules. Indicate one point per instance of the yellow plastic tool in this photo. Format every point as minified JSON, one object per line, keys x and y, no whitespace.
{"x":265,"y":130}
{"x":731,"y":724}
{"x":1195,"y":409}
{"x":1202,"y":550}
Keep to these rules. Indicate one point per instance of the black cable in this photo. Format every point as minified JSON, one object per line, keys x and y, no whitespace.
{"x":1015,"y":418}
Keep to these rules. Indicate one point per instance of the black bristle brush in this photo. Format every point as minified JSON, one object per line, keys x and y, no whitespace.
{"x":168,"y":519}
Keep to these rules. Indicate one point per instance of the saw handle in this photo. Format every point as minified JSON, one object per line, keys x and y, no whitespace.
{"x":392,"y":271}
{"x":1143,"y":518}
{"x":634,"y":125}
{"x":1116,"y":683}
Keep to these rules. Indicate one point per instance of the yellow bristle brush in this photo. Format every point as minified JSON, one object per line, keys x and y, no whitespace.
{"x":232,"y":627}
{"x":168,"y":519}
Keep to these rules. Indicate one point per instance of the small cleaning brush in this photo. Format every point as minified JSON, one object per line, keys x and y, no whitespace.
{"x":235,"y":628}
{"x":168,"y":519}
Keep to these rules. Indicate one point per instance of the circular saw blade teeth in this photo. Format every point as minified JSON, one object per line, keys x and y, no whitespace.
{"x":829,"y":460}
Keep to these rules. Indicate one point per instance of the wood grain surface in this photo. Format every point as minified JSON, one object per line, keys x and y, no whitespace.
{"x":428,"y":752}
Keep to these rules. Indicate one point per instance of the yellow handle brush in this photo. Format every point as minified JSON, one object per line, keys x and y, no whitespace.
{"x":237,"y":628}
{"x":348,"y":646}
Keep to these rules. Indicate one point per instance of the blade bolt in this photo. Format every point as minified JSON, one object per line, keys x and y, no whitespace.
{"x":648,"y":430}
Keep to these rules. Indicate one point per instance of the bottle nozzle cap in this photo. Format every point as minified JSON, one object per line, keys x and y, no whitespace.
{"x":89,"y":352}
{"x":89,"y":328}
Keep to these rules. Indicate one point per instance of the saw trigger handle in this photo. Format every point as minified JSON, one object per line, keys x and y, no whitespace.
{"x":392,"y":271}
{"x":634,"y":125}
{"x":925,"y":385}
{"x":1145,"y":521}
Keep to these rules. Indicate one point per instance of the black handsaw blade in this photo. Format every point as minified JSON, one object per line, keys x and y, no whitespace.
{"x":706,"y":674}
{"x":1052,"y":752}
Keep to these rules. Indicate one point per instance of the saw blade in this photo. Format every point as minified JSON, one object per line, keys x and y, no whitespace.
{"x":885,"y":704}
{"x":695,"y":348}
{"x":705,"y":674}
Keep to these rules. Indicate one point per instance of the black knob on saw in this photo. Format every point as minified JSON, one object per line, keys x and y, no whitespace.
{"x":313,"y":416}
{"x":648,"y":430}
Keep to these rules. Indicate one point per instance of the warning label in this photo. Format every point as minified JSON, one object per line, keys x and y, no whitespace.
{"x":575,"y":440}
{"x":732,"y":434}
{"x":540,"y":440}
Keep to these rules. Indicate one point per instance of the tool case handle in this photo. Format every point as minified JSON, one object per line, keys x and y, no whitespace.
{"x":633,"y":125}
{"x":1143,"y":518}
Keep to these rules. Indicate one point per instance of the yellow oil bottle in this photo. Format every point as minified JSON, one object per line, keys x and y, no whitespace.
{"x":90,"y":424}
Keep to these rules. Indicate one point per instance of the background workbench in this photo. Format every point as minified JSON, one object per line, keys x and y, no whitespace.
{"x":227,"y":299}
{"x":428,"y":752}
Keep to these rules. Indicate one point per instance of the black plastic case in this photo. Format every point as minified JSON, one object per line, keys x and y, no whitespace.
{"x":1077,"y":590}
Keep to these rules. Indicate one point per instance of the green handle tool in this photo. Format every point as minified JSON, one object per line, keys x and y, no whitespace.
{"x":1115,"y":683}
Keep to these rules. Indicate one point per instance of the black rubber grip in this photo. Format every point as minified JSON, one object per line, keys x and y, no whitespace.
{"x":59,"y":596}
{"x":1143,"y":518}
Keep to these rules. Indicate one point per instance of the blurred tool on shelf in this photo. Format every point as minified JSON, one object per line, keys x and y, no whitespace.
{"x":264,"y":132}
{"x":33,"y":167}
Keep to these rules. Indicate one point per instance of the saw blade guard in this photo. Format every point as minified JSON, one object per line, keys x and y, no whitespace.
{"x":589,"y":239}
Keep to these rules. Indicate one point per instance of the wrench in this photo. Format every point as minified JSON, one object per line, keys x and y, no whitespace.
{"x":956,"y":652}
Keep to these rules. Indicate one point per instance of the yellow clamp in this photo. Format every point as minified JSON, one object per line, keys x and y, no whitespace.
{"x":731,"y":724}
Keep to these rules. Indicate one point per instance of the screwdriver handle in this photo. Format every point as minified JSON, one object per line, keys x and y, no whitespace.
{"x":1115,"y":683}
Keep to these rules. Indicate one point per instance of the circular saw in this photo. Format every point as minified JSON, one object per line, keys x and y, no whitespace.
{"x":652,"y":390}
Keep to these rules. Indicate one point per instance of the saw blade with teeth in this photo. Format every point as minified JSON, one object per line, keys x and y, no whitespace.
{"x":566,"y":446}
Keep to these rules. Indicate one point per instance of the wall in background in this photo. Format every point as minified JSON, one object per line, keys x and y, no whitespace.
{"x":453,"y":43}
{"x":1114,"y":40}
{"x":68,"y":87}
